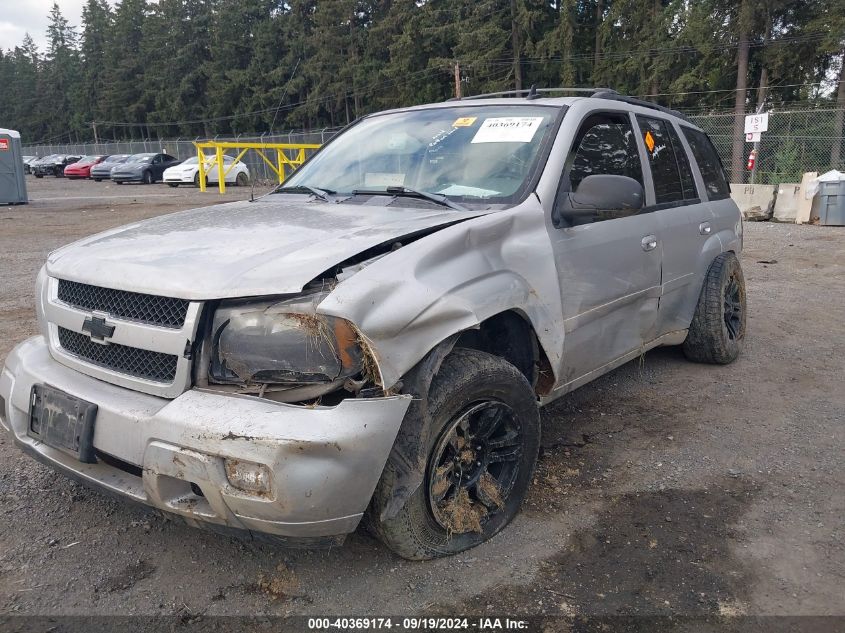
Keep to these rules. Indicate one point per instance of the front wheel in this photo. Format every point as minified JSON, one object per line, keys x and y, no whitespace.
{"x":717,"y":331}
{"x":481,"y":441}
{"x":98,"y":180}
{"x":173,"y":184}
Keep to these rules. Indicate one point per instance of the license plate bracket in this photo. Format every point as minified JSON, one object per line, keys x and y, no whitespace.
{"x":63,"y":421}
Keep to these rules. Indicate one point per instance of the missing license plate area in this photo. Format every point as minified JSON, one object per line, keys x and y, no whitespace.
{"x":63,"y":421}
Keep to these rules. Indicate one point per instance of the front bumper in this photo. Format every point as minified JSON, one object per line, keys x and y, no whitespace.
{"x":324,"y":461}
{"x":125,"y":177}
{"x":187,"y":179}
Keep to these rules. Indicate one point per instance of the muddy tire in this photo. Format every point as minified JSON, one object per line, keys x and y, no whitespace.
{"x":717,"y":332}
{"x":481,"y":441}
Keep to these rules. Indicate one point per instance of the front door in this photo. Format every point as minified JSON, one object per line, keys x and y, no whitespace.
{"x":608,"y":267}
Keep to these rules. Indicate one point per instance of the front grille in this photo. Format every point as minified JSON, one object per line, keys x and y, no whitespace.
{"x":132,"y":306}
{"x":140,"y":363}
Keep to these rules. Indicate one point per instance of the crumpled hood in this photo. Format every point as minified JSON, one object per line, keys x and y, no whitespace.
{"x":274,"y":245}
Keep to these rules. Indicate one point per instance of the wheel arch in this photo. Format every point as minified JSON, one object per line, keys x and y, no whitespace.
{"x":510,"y":335}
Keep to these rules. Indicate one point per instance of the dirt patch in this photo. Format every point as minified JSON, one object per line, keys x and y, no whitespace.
{"x":281,"y":584}
{"x":460,"y":514}
{"x":657,"y":553}
{"x":489,"y":491}
{"x":126,"y":579}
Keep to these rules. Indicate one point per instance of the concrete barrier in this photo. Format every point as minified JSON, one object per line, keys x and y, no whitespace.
{"x":755,"y":201}
{"x":786,"y":202}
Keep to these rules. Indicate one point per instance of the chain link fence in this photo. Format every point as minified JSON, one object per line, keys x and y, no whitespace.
{"x":796,"y":141}
{"x":183,"y":148}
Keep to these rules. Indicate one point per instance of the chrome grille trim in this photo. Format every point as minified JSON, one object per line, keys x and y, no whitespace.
{"x":131,"y":306}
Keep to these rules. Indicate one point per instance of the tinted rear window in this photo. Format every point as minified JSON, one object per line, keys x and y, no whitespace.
{"x":670,"y":167}
{"x":709,"y":164}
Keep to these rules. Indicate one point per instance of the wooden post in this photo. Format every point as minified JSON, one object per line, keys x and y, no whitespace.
{"x":457,"y":79}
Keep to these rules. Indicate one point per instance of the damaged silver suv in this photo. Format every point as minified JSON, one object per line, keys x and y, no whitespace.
{"x":373,"y":340}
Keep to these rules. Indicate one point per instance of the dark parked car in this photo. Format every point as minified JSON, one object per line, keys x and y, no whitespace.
{"x":33,"y":164}
{"x":55,"y":165}
{"x":144,"y":168}
{"x":102,"y":171}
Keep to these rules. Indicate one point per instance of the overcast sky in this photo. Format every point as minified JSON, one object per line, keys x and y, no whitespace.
{"x":20,"y":16}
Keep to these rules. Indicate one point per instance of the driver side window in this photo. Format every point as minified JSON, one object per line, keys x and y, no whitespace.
{"x":605,"y":144}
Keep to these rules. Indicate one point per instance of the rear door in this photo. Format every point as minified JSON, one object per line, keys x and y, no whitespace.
{"x":683,"y":220}
{"x":608,"y":267}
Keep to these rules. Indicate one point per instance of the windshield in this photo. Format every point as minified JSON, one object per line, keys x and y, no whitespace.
{"x":117,"y":158}
{"x":87,"y":160}
{"x":472,"y":152}
{"x":140,"y":158}
{"x":194,"y":160}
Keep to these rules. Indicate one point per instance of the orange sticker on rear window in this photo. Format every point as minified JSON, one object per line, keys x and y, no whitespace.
{"x":465,"y":121}
{"x":649,"y":141}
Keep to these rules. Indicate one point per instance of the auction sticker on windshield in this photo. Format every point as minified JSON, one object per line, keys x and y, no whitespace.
{"x":512,"y":129}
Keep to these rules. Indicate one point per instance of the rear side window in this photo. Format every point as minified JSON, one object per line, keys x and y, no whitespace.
{"x":712,"y":172}
{"x":670,"y":168}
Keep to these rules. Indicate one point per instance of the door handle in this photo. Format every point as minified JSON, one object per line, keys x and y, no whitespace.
{"x":649,"y":243}
{"x":704,"y":228}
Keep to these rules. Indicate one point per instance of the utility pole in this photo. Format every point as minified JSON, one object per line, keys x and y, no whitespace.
{"x":457,"y":79}
{"x":96,"y":139}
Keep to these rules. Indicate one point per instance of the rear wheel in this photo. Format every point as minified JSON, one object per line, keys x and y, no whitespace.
{"x":242,"y":180}
{"x":717,"y":331}
{"x":147,"y":178}
{"x":481,"y":445}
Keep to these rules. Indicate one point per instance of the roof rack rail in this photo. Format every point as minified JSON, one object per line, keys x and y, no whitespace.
{"x":531,"y":93}
{"x":597,"y":93}
{"x":615,"y":96}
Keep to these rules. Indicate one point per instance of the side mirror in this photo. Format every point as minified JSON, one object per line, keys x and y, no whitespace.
{"x":603,"y":195}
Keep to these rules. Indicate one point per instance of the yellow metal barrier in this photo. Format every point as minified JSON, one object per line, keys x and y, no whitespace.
{"x":262,"y":149}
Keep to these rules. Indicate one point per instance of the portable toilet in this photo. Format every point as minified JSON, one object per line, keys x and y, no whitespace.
{"x":12,"y":181}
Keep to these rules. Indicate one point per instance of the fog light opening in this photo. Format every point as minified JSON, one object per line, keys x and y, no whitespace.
{"x":248,"y":476}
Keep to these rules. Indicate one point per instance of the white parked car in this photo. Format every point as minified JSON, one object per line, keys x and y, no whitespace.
{"x":188,"y":172}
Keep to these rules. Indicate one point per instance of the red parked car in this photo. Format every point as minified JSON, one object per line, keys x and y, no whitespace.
{"x":82,"y":168}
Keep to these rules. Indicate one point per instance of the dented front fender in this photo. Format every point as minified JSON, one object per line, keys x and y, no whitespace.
{"x":410,"y":300}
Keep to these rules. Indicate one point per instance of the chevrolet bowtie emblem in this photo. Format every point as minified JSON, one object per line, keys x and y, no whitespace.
{"x":97,"y":328}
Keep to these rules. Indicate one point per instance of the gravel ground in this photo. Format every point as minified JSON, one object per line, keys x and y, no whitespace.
{"x":664,"y":487}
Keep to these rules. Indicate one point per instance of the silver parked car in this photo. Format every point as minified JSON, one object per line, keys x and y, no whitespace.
{"x":374,"y":339}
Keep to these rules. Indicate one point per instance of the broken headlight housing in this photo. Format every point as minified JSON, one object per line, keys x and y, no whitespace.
{"x":284,"y":344}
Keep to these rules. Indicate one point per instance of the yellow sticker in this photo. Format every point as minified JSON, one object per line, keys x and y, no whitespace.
{"x":465,"y":121}
{"x":649,"y":141}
